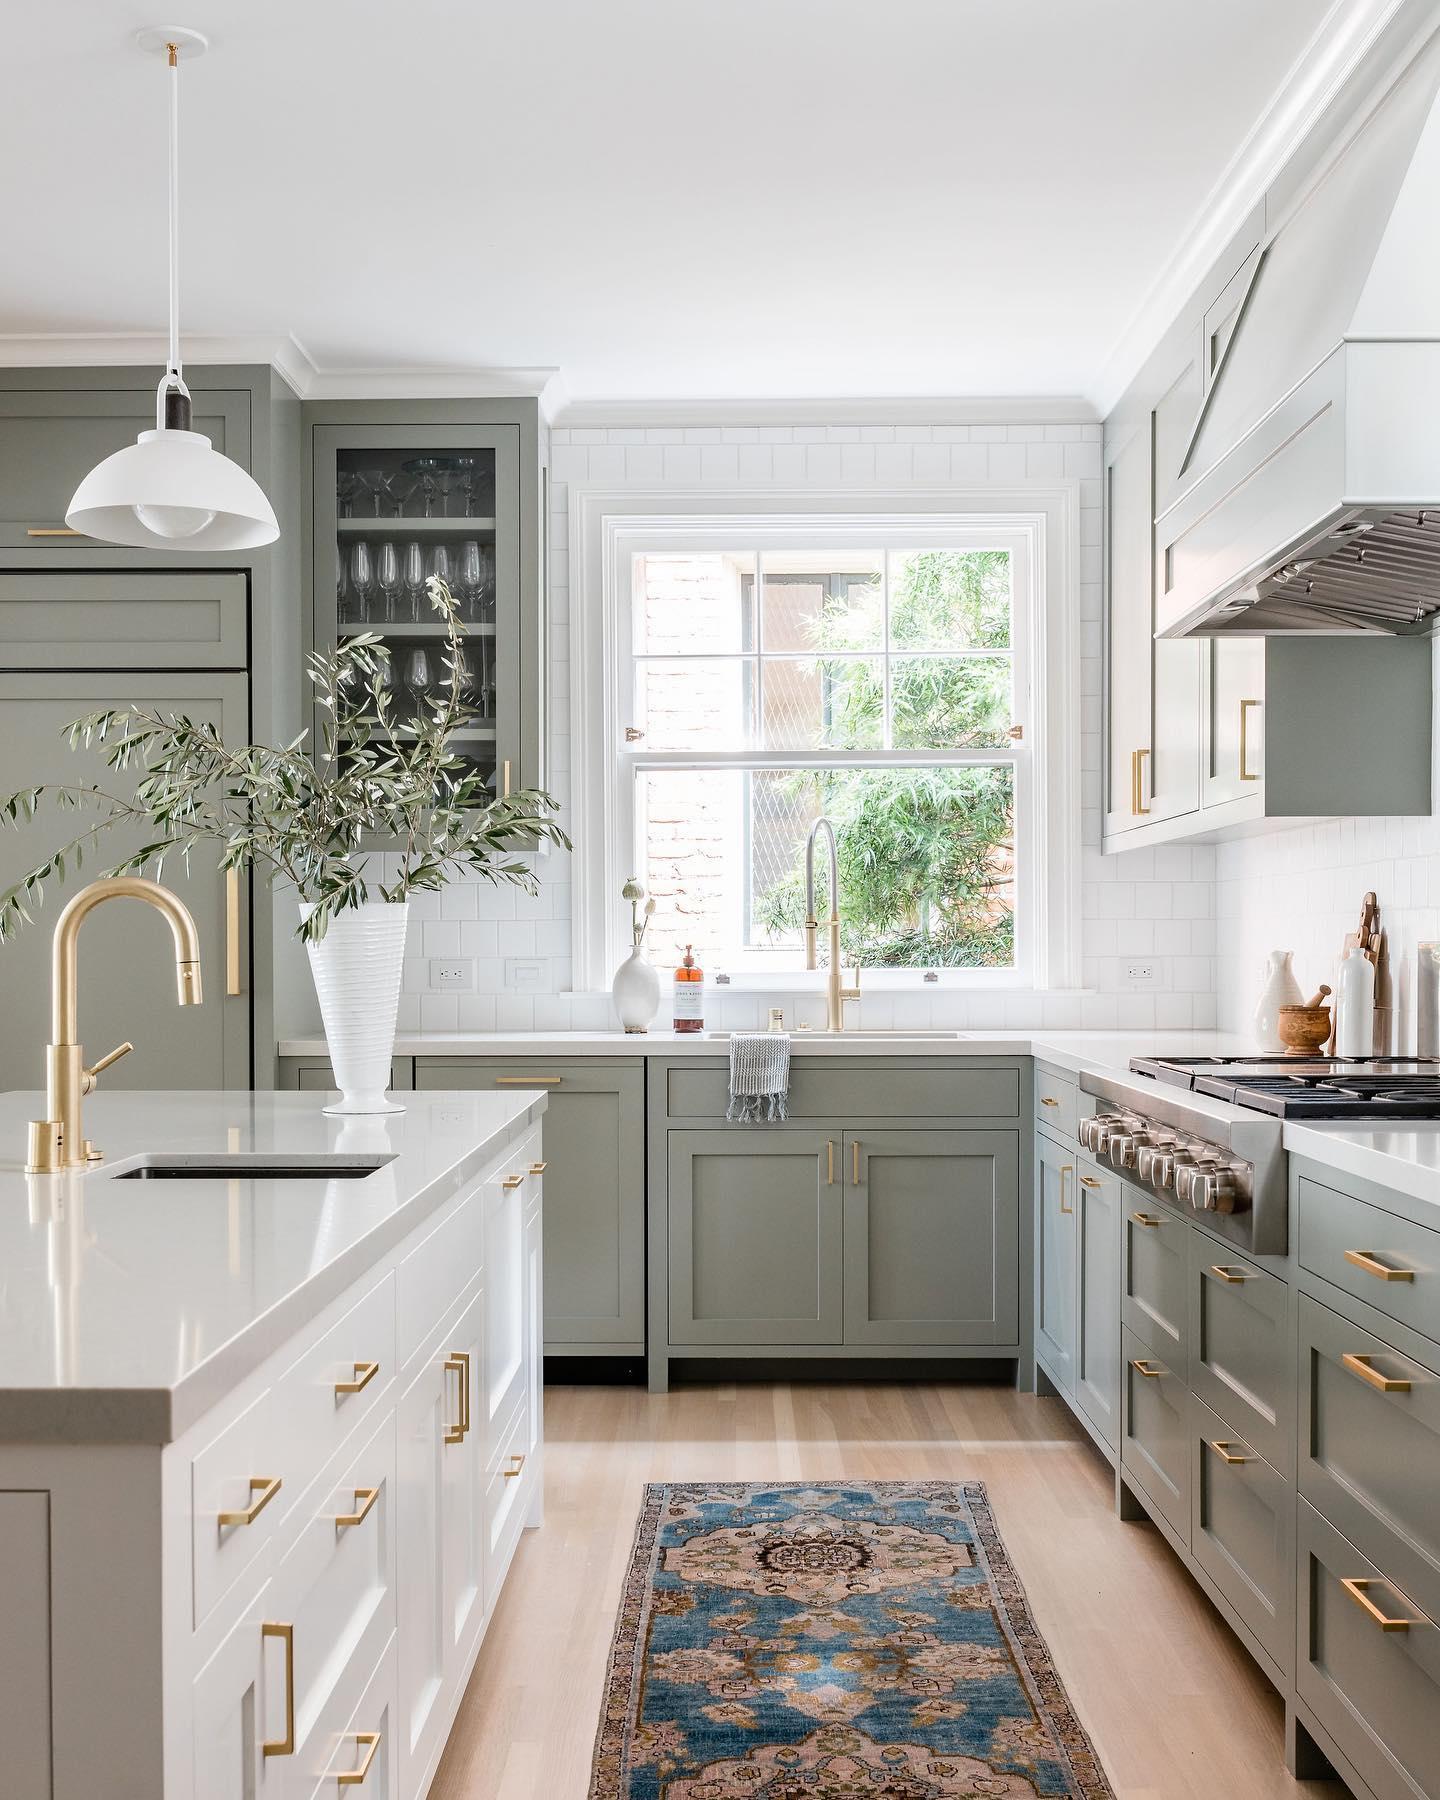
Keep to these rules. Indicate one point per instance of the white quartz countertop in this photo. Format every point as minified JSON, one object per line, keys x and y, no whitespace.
{"x":129,"y":1308}
{"x":1403,"y":1158}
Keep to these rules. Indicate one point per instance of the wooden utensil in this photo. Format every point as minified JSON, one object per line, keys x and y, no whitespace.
{"x":1318,"y":999}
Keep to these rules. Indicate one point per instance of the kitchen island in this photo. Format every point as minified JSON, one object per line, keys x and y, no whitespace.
{"x":270,"y":1429}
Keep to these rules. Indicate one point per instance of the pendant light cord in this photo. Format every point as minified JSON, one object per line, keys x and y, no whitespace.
{"x":174,"y":54}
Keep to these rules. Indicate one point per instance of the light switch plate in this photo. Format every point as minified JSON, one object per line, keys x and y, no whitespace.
{"x":525,"y":973}
{"x":452,"y":974}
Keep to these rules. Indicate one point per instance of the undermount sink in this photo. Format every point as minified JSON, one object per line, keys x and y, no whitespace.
{"x":252,"y":1165}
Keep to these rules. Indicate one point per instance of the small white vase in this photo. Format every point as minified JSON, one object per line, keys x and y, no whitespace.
{"x":1280,"y":989}
{"x":636,"y":992}
{"x":357,"y":967}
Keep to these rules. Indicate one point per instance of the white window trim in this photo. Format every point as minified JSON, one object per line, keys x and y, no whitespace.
{"x":607,"y":524}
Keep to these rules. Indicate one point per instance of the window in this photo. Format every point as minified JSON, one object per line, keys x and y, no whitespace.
{"x":754,"y":677}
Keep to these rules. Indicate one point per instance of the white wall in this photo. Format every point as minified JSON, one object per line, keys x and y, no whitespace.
{"x":1155,"y":904}
{"x":1301,"y":890}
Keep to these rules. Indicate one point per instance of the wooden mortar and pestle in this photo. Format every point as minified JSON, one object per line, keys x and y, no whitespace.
{"x":1305,"y":1030}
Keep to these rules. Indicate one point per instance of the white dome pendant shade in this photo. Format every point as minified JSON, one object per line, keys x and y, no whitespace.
{"x":171,"y":489}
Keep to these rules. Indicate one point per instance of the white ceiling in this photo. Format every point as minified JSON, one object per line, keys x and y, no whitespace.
{"x":750,"y":197}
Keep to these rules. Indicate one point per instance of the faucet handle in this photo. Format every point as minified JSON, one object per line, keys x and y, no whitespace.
{"x":89,"y":1077}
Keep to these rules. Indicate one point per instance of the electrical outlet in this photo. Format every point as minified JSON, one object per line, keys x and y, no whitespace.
{"x":452,"y":974}
{"x":1137,"y":972}
{"x":525,"y":973}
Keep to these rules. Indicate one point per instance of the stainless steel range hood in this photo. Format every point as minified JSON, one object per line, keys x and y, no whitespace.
{"x":1315,"y":500}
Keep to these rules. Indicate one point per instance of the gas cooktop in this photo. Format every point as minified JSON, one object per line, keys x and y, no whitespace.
{"x":1309,"y":1087}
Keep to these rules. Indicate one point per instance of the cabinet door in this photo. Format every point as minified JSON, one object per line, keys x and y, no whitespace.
{"x":1098,"y":1199}
{"x":127,"y":986}
{"x":51,"y":438}
{"x":462,"y":1488}
{"x":238,"y":1706}
{"x":1234,"y":718}
{"x":756,"y":1228}
{"x":1055,"y":1220}
{"x":931,"y":1237}
{"x":594,"y":1149}
{"x":1129,"y":533}
{"x":25,"y":1650}
{"x":504,"y":1204}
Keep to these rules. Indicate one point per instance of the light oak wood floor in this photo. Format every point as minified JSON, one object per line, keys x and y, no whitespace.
{"x":1175,"y":1707}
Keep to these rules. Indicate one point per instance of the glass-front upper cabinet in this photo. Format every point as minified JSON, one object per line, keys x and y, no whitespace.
{"x":397,"y":504}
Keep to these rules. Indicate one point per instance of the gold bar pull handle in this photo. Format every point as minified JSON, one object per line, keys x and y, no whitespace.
{"x":1225,"y":1450}
{"x":1365,"y":1368}
{"x":829,"y":1162}
{"x":369,"y":1742}
{"x":1091,"y":1181}
{"x":1066,"y":1170}
{"x":284,"y":1746}
{"x":538,"y":1168}
{"x":512,"y":1181}
{"x":1246,"y":772}
{"x":460,"y":1363}
{"x":265,"y":1488}
{"x":1142,"y":1367}
{"x":1355,"y":1586}
{"x":52,"y":531}
{"x":365,"y":1498}
{"x":1148,"y":1220}
{"x":505,"y":779}
{"x":1372,"y":1265}
{"x":528,"y":1080}
{"x":232,"y":933}
{"x":1141,"y":809}
{"x":1222,"y":1272}
{"x":517,"y":1464}
{"x":855,"y":1161}
{"x":365,"y":1373}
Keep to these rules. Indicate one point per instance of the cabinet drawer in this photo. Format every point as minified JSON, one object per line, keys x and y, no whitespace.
{"x":83,"y":619}
{"x":1242,"y":1530}
{"x":335,"y":1590}
{"x":370,"y":1741}
{"x":333,"y":1387}
{"x":1056,"y":1106}
{"x":506,"y":1496}
{"x":1155,"y":1432}
{"x":505,"y":1209}
{"x":1240,"y":1359}
{"x":437,"y":1271}
{"x":1370,"y":1459}
{"x":1377,"y":1690}
{"x":1155,"y":1274}
{"x":1386,"y":1261}
{"x":231,"y":1477}
{"x":853,"y":1090}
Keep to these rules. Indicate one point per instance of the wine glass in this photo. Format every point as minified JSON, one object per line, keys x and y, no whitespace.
{"x":362,"y":576}
{"x":419,"y":677}
{"x":387,"y":577}
{"x":345,"y":607}
{"x":347,"y":483}
{"x":468,"y":578}
{"x":425,"y":469}
{"x":485,"y":598}
{"x":413,"y":571}
{"x":399,"y":486}
{"x":441,"y":565}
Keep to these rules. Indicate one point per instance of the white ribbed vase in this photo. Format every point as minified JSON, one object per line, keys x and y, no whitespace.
{"x":357,"y":967}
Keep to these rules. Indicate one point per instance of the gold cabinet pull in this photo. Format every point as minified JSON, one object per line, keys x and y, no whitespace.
{"x":538,"y":1168}
{"x":232,"y":933}
{"x":512,"y":1181}
{"x":265,"y":1488}
{"x":829,"y":1162}
{"x":1142,"y":1367}
{"x":1148,"y":1220}
{"x":855,"y":1161}
{"x":1223,"y":1272}
{"x":518,"y":1464}
{"x":1364,"y":1367}
{"x":460,"y":1363}
{"x":1372,"y":1265}
{"x":365,"y":1498}
{"x":1065,"y":1169}
{"x":528,"y":1080}
{"x":1223,"y":1449}
{"x":1091,"y":1181}
{"x":505,"y":779}
{"x":1048,"y":1100}
{"x":1137,"y":784}
{"x":365,"y":1373}
{"x":1246,"y":773}
{"x":284,"y":1746}
{"x":369,"y":1742}
{"x":1355,"y":1586}
{"x":52,"y":531}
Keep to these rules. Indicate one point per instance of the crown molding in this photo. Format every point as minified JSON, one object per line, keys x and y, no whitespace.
{"x":289,"y":358}
{"x":1023,"y":409}
{"x":1342,"y":43}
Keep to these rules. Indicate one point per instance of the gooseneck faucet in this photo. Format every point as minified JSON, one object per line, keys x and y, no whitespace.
{"x":58,"y":1141}
{"x":836,"y":993}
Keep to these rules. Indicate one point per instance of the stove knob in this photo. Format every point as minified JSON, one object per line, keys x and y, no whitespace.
{"x":1121,"y":1149}
{"x":1214,"y":1189}
{"x":1100,"y":1136}
{"x":1085,"y":1131}
{"x":1162,"y":1168}
{"x":1189,"y":1181}
{"x":1182,"y":1176}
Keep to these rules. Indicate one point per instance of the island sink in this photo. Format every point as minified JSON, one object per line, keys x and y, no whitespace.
{"x":252,"y":1166}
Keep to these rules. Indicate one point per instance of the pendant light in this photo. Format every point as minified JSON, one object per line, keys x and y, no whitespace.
{"x":171,"y":489}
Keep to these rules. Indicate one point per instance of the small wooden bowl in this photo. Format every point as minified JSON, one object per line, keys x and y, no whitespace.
{"x":1304,"y":1030}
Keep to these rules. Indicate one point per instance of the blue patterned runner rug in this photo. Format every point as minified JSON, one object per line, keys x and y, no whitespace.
{"x":855,"y":1640}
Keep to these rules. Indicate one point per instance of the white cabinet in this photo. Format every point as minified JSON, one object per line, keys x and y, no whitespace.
{"x":1234,"y":733}
{"x":462,"y":1489}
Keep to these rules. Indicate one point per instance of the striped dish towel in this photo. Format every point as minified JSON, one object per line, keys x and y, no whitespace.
{"x":759,"y":1077}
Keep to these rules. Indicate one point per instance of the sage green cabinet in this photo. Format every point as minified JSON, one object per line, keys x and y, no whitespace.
{"x":127,"y":984}
{"x":313,"y":1075}
{"x":756,"y":1229}
{"x":594,"y":1252}
{"x":931,"y":1237}
{"x":1155,"y":1432}
{"x":1099,"y":1202}
{"x":55,"y":618}
{"x":1242,"y":1531}
{"x":1055,"y":1262}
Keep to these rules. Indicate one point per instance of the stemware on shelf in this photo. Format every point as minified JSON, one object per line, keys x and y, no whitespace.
{"x":387,"y":576}
{"x":399,"y":486}
{"x":426,"y":470}
{"x":347,"y":609}
{"x":419,"y":677}
{"x":485,"y":600}
{"x":413,"y":574}
{"x":347,"y":484}
{"x":469,"y":577}
{"x":362,"y":577}
{"x":441,"y":565}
